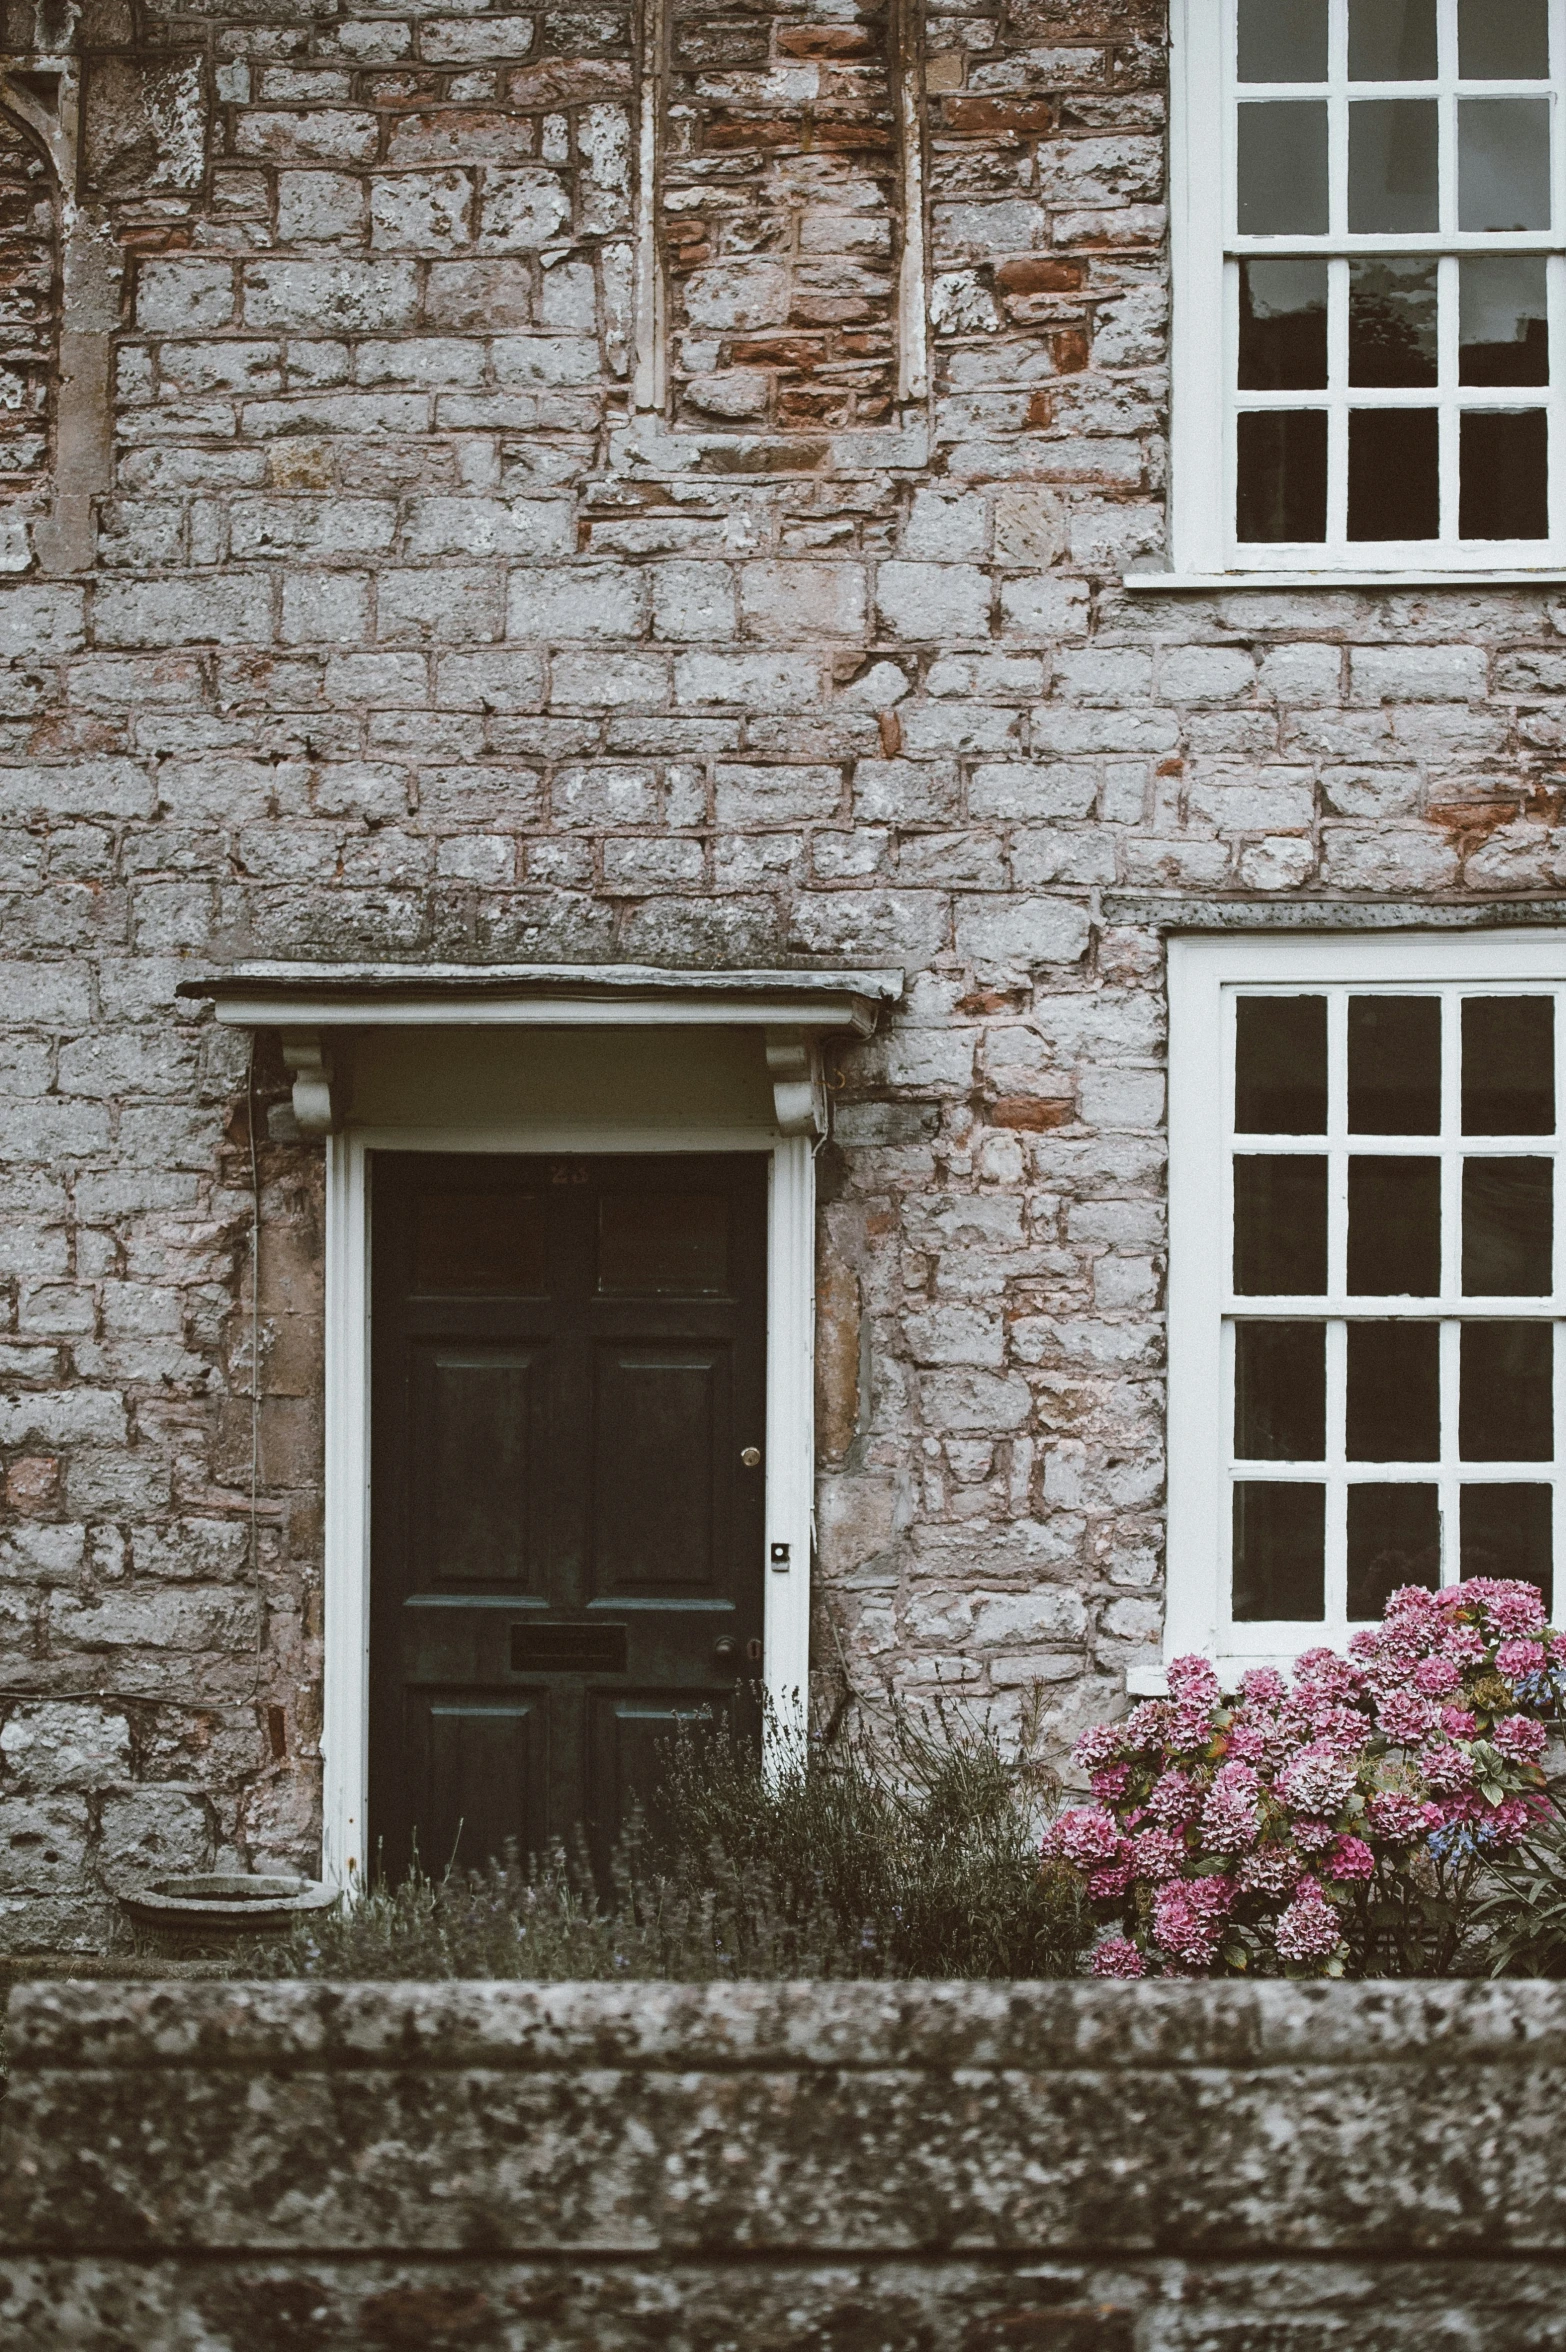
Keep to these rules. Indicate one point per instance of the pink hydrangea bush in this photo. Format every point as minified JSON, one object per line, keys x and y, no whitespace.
{"x":1340,"y":1825}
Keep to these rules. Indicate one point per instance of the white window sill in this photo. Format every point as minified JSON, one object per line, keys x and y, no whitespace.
{"x":1184,"y":583}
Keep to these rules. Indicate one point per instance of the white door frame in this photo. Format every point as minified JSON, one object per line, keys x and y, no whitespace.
{"x":790,"y":1431}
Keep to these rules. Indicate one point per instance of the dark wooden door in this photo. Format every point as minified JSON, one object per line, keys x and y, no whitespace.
{"x":569,"y":1387}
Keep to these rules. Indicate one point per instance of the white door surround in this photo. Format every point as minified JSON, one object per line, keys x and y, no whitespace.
{"x":517,"y":1095}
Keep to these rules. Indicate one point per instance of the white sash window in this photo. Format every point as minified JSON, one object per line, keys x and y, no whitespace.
{"x":1368,"y":1279}
{"x":1370,"y":286}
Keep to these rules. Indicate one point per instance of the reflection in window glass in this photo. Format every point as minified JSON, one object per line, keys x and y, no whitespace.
{"x":1280,"y":1065}
{"x":1283,"y":40}
{"x":1393,"y":148}
{"x":1503,"y":163}
{"x":1505,"y":480}
{"x":1394,"y":1233}
{"x":1279,"y":1552}
{"x":1507,"y":1407}
{"x":1508,"y":1229}
{"x":1394,"y":473}
{"x":1283,"y":326}
{"x":1392,"y":41}
{"x":1280,"y":1392}
{"x":1508,"y":1065}
{"x":1394,"y":1065}
{"x":1280,"y":1225}
{"x":1503,"y":40}
{"x":1394,"y":1537}
{"x":1283,"y":169}
{"x":1505,"y":335}
{"x":1281,"y":475}
{"x":1506,"y":1531}
{"x":1394,"y":1392}
{"x":1393,"y":322}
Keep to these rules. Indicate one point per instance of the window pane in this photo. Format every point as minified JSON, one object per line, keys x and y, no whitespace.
{"x":1505,"y":334}
{"x":1503,"y":163}
{"x":1279,"y":1552}
{"x":1505,"y":483}
{"x":1392,"y":322}
{"x":1508,"y":1229}
{"x":1280,"y":1225}
{"x":1394,"y":1065}
{"x":1283,"y":326}
{"x":1394,"y":1537}
{"x":1506,"y":1531}
{"x":1503,"y":40}
{"x":1392,"y":41}
{"x":1281,"y":488}
{"x":1508,"y":1065}
{"x":1394,"y":1235}
{"x":1283,"y":169}
{"x":1394,"y":1392}
{"x":1280,"y":1392}
{"x":1392,"y":165}
{"x":1280,"y":1065}
{"x":1507,"y":1408}
{"x":1283,"y":40}
{"x":1394,"y":473}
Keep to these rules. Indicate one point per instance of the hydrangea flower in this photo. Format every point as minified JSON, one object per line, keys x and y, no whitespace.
{"x":1265,"y":1830}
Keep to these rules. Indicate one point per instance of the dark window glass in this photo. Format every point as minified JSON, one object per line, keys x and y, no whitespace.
{"x":1394,"y":473}
{"x":1280,"y":1392}
{"x":1394,"y":1537}
{"x":1394,"y":1234}
{"x":1392,"y":322}
{"x":1394,"y":1065}
{"x":663,"y":1243}
{"x":1504,"y":310}
{"x":1503,"y":40}
{"x":1279,"y":1552}
{"x":1283,"y":326}
{"x":1508,"y":1229}
{"x":1283,"y":168}
{"x":1508,"y":1065}
{"x":1283,"y":40}
{"x":1507,"y":1531}
{"x":1394,"y":1392}
{"x":1393,"y":144}
{"x":1392,"y":41}
{"x":1507,"y":1407}
{"x":1503,"y":163}
{"x":493,"y":1241}
{"x":1505,"y":490}
{"x":1280,"y":1225}
{"x":1280,"y":1065}
{"x":1281,"y":490}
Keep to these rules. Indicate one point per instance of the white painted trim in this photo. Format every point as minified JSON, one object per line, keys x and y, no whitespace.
{"x":1196,"y":1614}
{"x":790,"y":1469}
{"x":1186,"y":583}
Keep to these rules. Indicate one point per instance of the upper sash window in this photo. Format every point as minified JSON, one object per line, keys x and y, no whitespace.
{"x":1371,"y":285}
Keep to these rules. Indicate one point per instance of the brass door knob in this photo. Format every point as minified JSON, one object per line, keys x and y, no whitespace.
{"x":751,"y":1457}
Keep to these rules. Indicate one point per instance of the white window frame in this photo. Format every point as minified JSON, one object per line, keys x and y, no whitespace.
{"x":1204,"y":548}
{"x":1203,"y":972}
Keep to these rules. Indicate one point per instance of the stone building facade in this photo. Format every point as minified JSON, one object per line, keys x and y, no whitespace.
{"x":585,"y":487}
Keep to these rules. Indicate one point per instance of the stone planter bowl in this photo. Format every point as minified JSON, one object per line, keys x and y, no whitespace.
{"x":218,"y":1909}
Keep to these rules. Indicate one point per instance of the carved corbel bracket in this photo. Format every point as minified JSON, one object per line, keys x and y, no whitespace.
{"x":798,"y":1086}
{"x":308,"y":1055}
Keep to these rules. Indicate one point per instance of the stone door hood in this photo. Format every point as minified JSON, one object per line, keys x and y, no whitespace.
{"x":794,"y":1008}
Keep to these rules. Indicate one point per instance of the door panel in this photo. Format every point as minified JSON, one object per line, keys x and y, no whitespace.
{"x":569,"y":1361}
{"x":660,"y":1460}
{"x":475,"y":1473}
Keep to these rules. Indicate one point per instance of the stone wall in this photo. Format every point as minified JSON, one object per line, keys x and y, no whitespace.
{"x":408,"y":634}
{"x":732,"y":2168}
